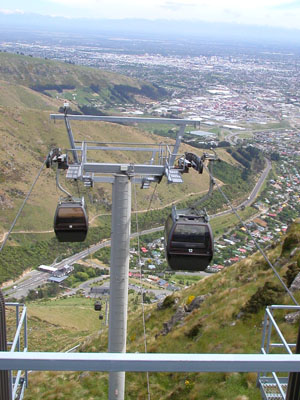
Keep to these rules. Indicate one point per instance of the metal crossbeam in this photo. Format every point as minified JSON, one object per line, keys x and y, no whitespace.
{"x":136,"y":169}
{"x":149,"y":362}
{"x":122,"y":120}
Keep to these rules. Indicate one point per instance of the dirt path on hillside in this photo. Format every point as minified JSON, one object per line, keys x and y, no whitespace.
{"x":156,"y":208}
{"x":3,"y":235}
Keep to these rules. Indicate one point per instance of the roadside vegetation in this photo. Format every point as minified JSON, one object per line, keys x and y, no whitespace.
{"x":81,"y":274}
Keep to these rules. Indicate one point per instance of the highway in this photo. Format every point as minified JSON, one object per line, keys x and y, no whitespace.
{"x":36,"y":278}
{"x":252,"y":195}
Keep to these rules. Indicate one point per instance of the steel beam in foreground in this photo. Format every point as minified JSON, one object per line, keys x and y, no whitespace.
{"x":149,"y":362}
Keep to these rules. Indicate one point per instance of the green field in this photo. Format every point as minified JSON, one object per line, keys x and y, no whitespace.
{"x":70,"y":319}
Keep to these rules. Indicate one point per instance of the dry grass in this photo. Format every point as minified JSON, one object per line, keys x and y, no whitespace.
{"x":75,"y":315}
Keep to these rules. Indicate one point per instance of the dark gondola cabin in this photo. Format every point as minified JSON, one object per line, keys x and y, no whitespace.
{"x":188,"y":241}
{"x":98,"y":306}
{"x":71,"y":221}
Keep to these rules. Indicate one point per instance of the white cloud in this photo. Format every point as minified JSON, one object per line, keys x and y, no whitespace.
{"x":176,"y":6}
{"x":284,"y":13}
{"x":78,"y":3}
{"x":8,"y":12}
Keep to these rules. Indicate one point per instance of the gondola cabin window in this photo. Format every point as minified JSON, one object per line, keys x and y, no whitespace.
{"x":190,"y":234}
{"x":70,"y":215}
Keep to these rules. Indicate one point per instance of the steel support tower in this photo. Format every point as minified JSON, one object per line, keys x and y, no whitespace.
{"x":159,"y":164}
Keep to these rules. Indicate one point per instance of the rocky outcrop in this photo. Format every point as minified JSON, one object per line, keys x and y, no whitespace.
{"x":293,"y":317}
{"x":180,"y":314}
{"x":196,"y":303}
{"x":176,"y":318}
{"x":296,"y":284}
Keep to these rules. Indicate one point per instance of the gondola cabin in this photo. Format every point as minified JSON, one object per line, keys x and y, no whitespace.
{"x":71,"y":221}
{"x":188,"y":241}
{"x":98,"y":306}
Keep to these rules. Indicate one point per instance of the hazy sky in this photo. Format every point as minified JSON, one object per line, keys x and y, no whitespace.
{"x":281,"y":13}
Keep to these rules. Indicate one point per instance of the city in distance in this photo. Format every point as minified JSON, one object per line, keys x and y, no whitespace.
{"x":246,"y":95}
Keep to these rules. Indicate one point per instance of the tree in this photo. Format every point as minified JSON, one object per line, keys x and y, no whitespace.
{"x":82,"y":276}
{"x":224,"y":143}
{"x":275,"y":156}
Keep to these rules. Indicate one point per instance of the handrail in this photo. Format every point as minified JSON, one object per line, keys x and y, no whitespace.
{"x":45,"y":361}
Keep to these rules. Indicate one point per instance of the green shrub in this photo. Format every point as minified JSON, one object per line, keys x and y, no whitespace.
{"x":267,"y":295}
{"x":290,"y":242}
{"x":291,"y":273}
{"x":168,"y":302}
{"x":194,"y":331}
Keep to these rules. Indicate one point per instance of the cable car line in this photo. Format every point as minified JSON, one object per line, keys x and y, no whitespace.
{"x":59,"y":185}
{"x":255,"y":242}
{"x":23,"y":204}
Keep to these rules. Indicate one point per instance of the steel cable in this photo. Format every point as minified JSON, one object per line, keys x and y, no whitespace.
{"x":22,"y":206}
{"x":141,"y":283}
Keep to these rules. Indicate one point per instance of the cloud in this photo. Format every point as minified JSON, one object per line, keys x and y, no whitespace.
{"x":9,"y":12}
{"x":78,"y":3}
{"x":231,"y":13}
{"x":287,"y":6}
{"x":175,"y":6}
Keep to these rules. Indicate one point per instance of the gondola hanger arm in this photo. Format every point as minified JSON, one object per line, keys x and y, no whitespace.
{"x":192,"y":160}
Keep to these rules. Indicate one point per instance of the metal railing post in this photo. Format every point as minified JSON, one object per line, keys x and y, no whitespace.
{"x":293,"y":389}
{"x":5,"y":376}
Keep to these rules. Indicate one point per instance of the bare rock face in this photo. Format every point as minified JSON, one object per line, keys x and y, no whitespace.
{"x":5,"y":201}
{"x":293,"y":317}
{"x":177,"y":317}
{"x":196,"y":303}
{"x":180,"y":314}
{"x":296,"y":284}
{"x":294,"y":251}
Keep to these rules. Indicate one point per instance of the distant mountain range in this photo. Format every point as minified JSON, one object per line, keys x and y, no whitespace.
{"x":156,"y":29}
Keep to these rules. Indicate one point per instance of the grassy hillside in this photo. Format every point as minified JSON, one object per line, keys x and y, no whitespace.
{"x":87,"y":85}
{"x":18,"y":96}
{"x":229,"y":320}
{"x":27,"y":136}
